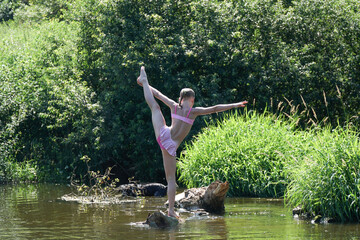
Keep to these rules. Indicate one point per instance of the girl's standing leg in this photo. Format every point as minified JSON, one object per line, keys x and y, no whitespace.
{"x":170,"y":170}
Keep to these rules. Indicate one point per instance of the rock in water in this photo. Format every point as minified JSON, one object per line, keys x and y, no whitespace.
{"x":150,"y":189}
{"x":154,"y":189}
{"x":161,"y":220}
{"x":210,"y":198}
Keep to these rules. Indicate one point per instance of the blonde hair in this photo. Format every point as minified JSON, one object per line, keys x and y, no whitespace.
{"x":186,"y":93}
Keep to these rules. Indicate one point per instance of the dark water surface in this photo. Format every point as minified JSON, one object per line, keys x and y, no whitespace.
{"x":36,"y":212}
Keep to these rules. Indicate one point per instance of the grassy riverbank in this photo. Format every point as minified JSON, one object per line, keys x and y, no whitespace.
{"x":267,"y":156}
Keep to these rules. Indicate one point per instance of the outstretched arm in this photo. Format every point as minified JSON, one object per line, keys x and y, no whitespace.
{"x":217,"y":108}
{"x":169,"y":102}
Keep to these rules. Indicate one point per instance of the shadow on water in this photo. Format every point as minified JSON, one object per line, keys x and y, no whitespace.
{"x":36,"y":212}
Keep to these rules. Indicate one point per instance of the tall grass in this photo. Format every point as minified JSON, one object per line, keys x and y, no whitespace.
{"x":327,"y":180}
{"x":249,"y":151}
{"x":267,"y":155}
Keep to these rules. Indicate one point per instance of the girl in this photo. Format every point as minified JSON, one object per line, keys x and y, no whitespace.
{"x":169,"y":138}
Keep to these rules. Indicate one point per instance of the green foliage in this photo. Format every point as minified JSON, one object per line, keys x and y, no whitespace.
{"x":226,"y":51}
{"x":7,"y":9}
{"x":32,"y":10}
{"x":263,"y":155}
{"x":46,"y":111}
{"x":69,"y":88}
{"x":327,"y":180}
{"x":251,"y":152}
{"x":19,"y":172}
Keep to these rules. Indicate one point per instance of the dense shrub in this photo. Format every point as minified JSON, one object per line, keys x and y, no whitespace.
{"x":32,"y":10}
{"x":7,"y":9}
{"x":262,"y":155}
{"x":326,"y":181}
{"x":251,"y":152}
{"x":47,"y":116}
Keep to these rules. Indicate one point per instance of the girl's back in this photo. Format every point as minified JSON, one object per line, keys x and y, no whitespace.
{"x":179,"y":128}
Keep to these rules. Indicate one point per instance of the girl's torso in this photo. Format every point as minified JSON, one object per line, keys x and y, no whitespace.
{"x":181,"y":123}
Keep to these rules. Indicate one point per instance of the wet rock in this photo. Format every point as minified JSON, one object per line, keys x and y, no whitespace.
{"x":200,"y":213}
{"x":322,"y":220}
{"x":154,"y":189}
{"x":329,"y":220}
{"x":149,"y":189}
{"x":299,"y":213}
{"x":161,"y":220}
{"x":317,"y":219}
{"x":97,"y":199}
{"x":201,"y":201}
{"x":297,"y":210}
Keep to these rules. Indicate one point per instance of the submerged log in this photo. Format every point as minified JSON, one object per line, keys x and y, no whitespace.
{"x":161,"y":220}
{"x":210,"y":198}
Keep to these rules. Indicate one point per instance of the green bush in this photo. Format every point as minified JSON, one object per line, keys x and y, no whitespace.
{"x":32,"y":10}
{"x":263,"y":155}
{"x":250,"y":151}
{"x":327,"y":181}
{"x":39,"y":10}
{"x":7,"y":9}
{"x":47,"y":115}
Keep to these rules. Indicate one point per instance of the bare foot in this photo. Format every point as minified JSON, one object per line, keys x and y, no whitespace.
{"x":142,"y":78}
{"x":138,"y":81}
{"x":173,"y":214}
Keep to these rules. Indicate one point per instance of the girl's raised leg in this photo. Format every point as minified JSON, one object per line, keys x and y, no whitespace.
{"x":156,"y":114}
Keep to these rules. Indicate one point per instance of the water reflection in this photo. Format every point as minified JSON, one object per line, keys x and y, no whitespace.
{"x":35,"y":212}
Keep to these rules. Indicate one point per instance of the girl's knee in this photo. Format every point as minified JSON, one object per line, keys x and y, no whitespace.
{"x":171,"y":180}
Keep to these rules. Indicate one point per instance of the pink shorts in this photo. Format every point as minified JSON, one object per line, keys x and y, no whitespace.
{"x":166,"y":142}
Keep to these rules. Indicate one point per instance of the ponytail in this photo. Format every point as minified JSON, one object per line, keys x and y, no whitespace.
{"x":180,"y":100}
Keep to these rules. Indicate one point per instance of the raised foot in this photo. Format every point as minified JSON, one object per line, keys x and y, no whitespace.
{"x":143,"y":77}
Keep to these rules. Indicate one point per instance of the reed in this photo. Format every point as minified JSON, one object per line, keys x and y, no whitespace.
{"x":266,"y":155}
{"x":249,"y":151}
{"x":326,"y":181}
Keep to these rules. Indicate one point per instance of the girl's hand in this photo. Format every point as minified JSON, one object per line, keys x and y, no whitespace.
{"x":242,"y":104}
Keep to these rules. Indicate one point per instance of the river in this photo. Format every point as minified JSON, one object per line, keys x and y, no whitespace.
{"x":35,"y":211}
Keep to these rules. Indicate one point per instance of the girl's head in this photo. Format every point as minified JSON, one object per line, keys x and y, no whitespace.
{"x":186,"y":94}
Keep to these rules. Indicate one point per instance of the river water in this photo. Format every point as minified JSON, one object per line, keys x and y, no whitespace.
{"x":36,"y":212}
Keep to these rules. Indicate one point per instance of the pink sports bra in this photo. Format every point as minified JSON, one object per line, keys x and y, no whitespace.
{"x":184,"y":119}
